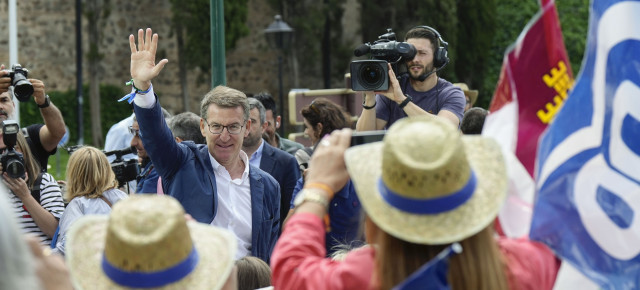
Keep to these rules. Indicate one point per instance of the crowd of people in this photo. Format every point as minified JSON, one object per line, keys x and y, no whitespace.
{"x":221,"y":201}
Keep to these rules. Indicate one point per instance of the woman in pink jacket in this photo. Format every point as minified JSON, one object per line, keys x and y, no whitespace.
{"x":427,"y":192}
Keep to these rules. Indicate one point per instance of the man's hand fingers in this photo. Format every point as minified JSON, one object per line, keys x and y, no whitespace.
{"x":147,"y":40}
{"x":159,"y":66}
{"x":132,"y":43}
{"x":140,"y":40}
{"x":154,"y":45}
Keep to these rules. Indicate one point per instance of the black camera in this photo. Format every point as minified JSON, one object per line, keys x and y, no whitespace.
{"x":22,"y":88}
{"x":125,"y":170}
{"x":372,"y":75}
{"x":11,"y":160}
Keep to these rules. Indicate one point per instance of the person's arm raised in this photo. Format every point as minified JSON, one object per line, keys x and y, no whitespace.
{"x":53,"y":130}
{"x":143,"y":64}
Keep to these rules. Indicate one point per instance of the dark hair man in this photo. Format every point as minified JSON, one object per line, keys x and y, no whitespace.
{"x":42,"y":139}
{"x":420,"y":91}
{"x":274,"y":123}
{"x":282,"y":166}
{"x":214,"y":182}
{"x":186,"y":127}
{"x":473,"y":121}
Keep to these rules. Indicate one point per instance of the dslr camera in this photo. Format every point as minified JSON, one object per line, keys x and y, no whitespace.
{"x":372,"y":75}
{"x":22,"y":88}
{"x":11,"y":160}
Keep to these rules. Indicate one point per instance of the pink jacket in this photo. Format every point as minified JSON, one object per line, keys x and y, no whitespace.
{"x":298,"y":261}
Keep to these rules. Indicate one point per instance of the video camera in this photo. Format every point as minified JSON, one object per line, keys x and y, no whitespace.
{"x":11,"y":160}
{"x":22,"y":88}
{"x":125,"y":171}
{"x":372,"y":75}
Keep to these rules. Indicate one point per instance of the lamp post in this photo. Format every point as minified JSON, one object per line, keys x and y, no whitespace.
{"x":279,"y":35}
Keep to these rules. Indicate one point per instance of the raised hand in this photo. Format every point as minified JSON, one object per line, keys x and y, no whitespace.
{"x":143,"y":59}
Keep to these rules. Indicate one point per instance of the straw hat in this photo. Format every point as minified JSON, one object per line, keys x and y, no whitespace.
{"x":425,"y":171}
{"x":472,"y":94}
{"x":147,"y":239}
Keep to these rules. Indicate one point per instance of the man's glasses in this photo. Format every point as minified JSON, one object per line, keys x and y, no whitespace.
{"x":233,"y":129}
{"x":135,"y":132}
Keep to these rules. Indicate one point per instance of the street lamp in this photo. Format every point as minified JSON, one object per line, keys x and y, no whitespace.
{"x":279,"y":35}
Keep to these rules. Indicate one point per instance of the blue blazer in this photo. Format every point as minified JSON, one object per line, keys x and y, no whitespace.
{"x":188,"y":176}
{"x":284,"y":168}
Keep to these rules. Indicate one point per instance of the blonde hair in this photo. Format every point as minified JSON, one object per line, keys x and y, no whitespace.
{"x":89,"y":174}
{"x":479,"y":266}
{"x":30,"y":165}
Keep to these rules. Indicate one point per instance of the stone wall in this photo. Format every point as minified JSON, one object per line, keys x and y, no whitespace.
{"x":46,"y":33}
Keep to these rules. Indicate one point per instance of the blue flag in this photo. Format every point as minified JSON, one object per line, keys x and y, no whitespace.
{"x":434,"y":274}
{"x":588,"y":166}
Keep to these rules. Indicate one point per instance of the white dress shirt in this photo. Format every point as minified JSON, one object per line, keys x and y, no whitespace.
{"x":234,"y":204}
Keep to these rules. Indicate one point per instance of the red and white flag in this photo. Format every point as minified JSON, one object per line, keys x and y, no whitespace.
{"x":534,"y":82}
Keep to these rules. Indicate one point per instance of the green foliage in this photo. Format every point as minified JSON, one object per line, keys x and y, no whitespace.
{"x":308,"y":19}
{"x":476,"y":31}
{"x":194,"y":17}
{"x":111,"y":110}
{"x":574,"y":20}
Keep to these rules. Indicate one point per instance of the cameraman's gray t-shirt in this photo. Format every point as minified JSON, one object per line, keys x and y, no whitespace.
{"x":444,"y":96}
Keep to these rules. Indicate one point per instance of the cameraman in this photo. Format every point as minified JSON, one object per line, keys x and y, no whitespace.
{"x":420,"y":92}
{"x":43,"y":139}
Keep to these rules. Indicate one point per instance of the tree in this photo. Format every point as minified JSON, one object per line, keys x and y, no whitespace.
{"x":476,"y":32}
{"x":191,"y":24}
{"x":96,"y":11}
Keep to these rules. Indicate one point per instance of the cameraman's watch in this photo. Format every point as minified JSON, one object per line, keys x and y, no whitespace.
{"x":46,"y":103}
{"x":405,"y":102}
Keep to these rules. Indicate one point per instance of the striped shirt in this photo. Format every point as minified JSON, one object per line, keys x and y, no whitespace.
{"x":50,"y":199}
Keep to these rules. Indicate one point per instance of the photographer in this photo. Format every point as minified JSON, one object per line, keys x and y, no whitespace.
{"x":36,"y":198}
{"x":420,"y":91}
{"x":42,"y":139}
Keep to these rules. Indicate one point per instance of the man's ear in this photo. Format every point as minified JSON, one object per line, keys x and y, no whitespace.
{"x":246,"y":132}
{"x":278,"y":122}
{"x":202,"y":128}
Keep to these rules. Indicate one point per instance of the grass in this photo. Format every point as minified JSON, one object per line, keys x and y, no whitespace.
{"x":58,"y":164}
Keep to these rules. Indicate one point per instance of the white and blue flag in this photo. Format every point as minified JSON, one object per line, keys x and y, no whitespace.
{"x":588,"y":167}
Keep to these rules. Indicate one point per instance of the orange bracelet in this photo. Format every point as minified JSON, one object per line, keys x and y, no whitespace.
{"x":322,"y":186}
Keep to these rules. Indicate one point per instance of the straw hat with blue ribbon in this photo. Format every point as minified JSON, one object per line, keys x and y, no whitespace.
{"x":147,"y":243}
{"x":427,"y":184}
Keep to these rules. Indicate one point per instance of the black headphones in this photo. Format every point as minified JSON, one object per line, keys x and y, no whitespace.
{"x":440,"y":58}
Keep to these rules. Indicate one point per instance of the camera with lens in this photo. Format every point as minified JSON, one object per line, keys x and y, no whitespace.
{"x":22,"y":87}
{"x":372,"y":75}
{"x":125,"y":170}
{"x":11,"y":160}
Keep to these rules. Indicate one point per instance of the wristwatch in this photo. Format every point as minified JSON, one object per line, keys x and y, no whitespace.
{"x":312,"y":195}
{"x":46,"y":103}
{"x":405,"y":102}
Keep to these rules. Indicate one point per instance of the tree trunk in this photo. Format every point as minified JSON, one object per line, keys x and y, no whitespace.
{"x":182,"y":68}
{"x":93,"y":16}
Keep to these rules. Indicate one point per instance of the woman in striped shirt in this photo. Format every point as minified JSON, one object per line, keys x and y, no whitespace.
{"x":37,"y":215}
